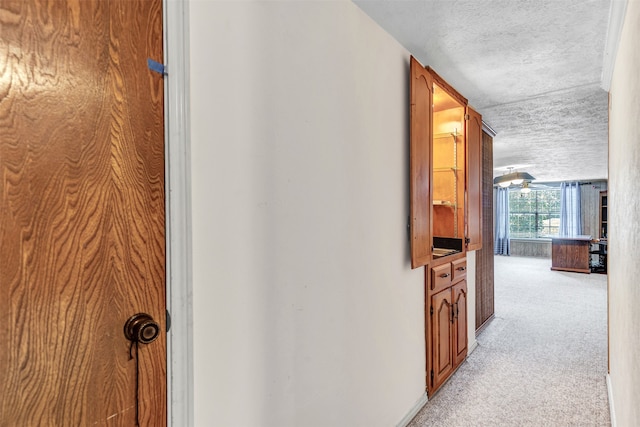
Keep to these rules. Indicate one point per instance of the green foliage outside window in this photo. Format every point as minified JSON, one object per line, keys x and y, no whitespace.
{"x":534,"y":215}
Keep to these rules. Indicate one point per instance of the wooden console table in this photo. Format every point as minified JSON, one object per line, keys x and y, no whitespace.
{"x":571,"y":253}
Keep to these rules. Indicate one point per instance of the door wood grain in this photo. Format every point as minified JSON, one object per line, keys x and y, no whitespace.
{"x":421,"y":100}
{"x":474,"y":180}
{"x":81,"y":211}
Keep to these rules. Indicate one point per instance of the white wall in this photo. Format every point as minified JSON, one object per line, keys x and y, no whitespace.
{"x":624,"y":223}
{"x":306,"y":311}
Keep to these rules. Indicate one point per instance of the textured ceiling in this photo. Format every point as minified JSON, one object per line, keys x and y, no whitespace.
{"x":532,"y":68}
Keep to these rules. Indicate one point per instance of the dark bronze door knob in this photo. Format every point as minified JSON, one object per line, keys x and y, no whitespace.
{"x":141,"y":328}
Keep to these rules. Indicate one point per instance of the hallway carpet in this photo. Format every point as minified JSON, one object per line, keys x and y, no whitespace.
{"x":541,"y":362}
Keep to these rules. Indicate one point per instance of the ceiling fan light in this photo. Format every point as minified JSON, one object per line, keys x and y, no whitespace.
{"x":525,"y":190}
{"x":515,"y":178}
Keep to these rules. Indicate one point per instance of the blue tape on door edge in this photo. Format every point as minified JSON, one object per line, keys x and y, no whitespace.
{"x":156,"y":66}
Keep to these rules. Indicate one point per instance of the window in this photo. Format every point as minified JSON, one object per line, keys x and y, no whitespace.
{"x":534,"y":215}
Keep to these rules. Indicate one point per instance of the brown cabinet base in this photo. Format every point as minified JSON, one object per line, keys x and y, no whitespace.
{"x":446,"y":321}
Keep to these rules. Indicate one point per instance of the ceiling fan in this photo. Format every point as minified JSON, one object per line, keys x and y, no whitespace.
{"x":511,"y":178}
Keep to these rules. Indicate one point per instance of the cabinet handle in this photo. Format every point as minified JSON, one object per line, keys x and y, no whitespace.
{"x":462,"y":268}
{"x":445,"y":275}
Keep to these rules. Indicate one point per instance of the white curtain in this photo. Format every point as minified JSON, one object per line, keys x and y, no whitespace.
{"x":501,"y":245}
{"x":570,"y":222}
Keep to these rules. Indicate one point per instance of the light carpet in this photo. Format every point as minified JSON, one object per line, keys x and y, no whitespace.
{"x":541,"y":362}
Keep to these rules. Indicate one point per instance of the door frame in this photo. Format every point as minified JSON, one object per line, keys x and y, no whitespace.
{"x":178,"y":214}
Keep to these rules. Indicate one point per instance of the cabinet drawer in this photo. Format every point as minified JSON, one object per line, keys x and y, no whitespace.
{"x":440,"y":277}
{"x":459,"y":268}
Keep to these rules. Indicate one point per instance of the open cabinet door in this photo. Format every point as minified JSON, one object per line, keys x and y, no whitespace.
{"x":420,"y":164}
{"x":473,"y":230}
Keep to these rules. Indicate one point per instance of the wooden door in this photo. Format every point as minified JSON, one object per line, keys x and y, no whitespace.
{"x":441,"y":333}
{"x":460,"y":338}
{"x":473,"y":230}
{"x":81,"y":212}
{"x":420,"y":164}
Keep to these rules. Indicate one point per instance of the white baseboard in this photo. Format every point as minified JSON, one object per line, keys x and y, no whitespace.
{"x":472,"y":347}
{"x":413,"y":411}
{"x":612,"y":412}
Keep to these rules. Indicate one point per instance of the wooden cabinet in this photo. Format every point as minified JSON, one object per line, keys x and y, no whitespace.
{"x":459,"y":269}
{"x":445,"y":170}
{"x":446,"y":203}
{"x":571,"y":254}
{"x":440,"y":277}
{"x":447,"y":321}
{"x":603,"y":215}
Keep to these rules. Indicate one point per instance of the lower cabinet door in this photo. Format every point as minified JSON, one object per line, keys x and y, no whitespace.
{"x":442,"y":336}
{"x":460,"y":340}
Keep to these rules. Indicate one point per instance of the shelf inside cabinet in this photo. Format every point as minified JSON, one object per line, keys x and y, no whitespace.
{"x":603,"y":214}
{"x":445,"y":203}
{"x":448,"y":171}
{"x":441,"y":252}
{"x":455,"y":135}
